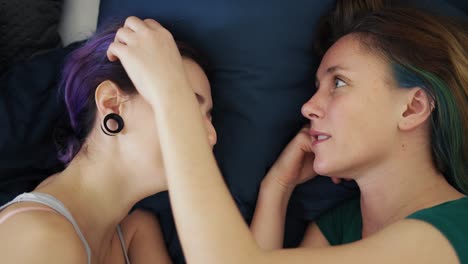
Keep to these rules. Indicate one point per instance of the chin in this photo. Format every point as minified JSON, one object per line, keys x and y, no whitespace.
{"x":327,"y":168}
{"x":322,"y":168}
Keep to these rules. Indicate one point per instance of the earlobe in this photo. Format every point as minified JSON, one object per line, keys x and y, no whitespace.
{"x":418,"y":109}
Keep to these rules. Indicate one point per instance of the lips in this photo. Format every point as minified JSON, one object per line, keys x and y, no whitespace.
{"x":318,"y":137}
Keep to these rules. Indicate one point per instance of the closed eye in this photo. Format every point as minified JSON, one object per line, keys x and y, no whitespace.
{"x":200,"y":98}
{"x":209,"y":114}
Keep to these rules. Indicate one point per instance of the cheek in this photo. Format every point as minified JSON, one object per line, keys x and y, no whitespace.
{"x":363,"y":126}
{"x":356,"y":122}
{"x":143,"y":132}
{"x":148,"y":131}
{"x":359,"y":112}
{"x":347,"y":114}
{"x":147,"y":146}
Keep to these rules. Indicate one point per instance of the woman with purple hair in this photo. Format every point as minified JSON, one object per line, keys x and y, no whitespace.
{"x":113,"y":159}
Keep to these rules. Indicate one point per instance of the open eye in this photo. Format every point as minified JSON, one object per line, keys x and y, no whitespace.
{"x":339,"y":83}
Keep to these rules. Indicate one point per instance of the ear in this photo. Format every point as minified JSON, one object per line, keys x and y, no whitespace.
{"x":417,"y":110}
{"x":108,"y":97}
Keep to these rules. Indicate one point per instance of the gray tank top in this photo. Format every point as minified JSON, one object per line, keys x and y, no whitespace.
{"x":58,"y":206}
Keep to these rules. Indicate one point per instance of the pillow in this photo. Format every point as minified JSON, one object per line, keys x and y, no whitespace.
{"x":30,"y":108}
{"x":27,"y":27}
{"x":262,"y":72}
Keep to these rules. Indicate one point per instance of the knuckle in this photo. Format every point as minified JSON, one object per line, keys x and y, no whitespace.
{"x":119,"y":31}
{"x":150,"y":21}
{"x":130,"y":19}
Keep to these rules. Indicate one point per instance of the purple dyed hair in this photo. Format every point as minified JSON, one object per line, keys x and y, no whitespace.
{"x":84,"y":70}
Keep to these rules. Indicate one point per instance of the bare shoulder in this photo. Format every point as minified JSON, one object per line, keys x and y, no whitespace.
{"x":138,"y":220}
{"x":40,"y":237}
{"x":144,"y":238}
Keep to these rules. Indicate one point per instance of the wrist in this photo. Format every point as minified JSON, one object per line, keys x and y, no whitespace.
{"x":274,"y":194}
{"x":273,"y":183}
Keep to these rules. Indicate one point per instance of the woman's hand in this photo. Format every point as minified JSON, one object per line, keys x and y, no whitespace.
{"x":295,"y":164}
{"x":149,"y":55}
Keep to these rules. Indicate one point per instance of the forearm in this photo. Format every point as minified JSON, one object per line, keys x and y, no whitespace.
{"x":268,"y":222}
{"x":210,"y":226}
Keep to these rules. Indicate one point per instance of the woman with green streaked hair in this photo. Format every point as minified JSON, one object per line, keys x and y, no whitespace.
{"x":390,"y":112}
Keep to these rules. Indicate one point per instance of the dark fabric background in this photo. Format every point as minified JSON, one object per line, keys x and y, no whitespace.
{"x":27,"y":27}
{"x":262,"y":72}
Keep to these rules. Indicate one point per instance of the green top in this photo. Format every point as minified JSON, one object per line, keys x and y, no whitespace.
{"x":343,"y":224}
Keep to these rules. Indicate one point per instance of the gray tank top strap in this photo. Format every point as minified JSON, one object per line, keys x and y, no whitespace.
{"x":55,"y":204}
{"x":122,"y":244}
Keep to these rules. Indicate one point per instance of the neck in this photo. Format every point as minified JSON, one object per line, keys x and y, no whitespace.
{"x":97,"y":195}
{"x":400,"y":187}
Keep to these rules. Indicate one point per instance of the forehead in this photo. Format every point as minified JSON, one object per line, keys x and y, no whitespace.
{"x":197,"y":78}
{"x":350,"y":54}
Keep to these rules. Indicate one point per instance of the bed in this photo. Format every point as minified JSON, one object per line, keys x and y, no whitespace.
{"x":262,"y":72}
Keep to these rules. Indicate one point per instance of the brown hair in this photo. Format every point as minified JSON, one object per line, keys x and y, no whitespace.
{"x":427,"y":51}
{"x":340,"y":20}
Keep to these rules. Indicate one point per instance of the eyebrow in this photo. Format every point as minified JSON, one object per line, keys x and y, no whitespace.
{"x":331,"y":70}
{"x":335,"y":68}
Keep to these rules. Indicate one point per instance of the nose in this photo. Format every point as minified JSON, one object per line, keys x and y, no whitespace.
{"x":212,"y":136}
{"x":311,"y":109}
